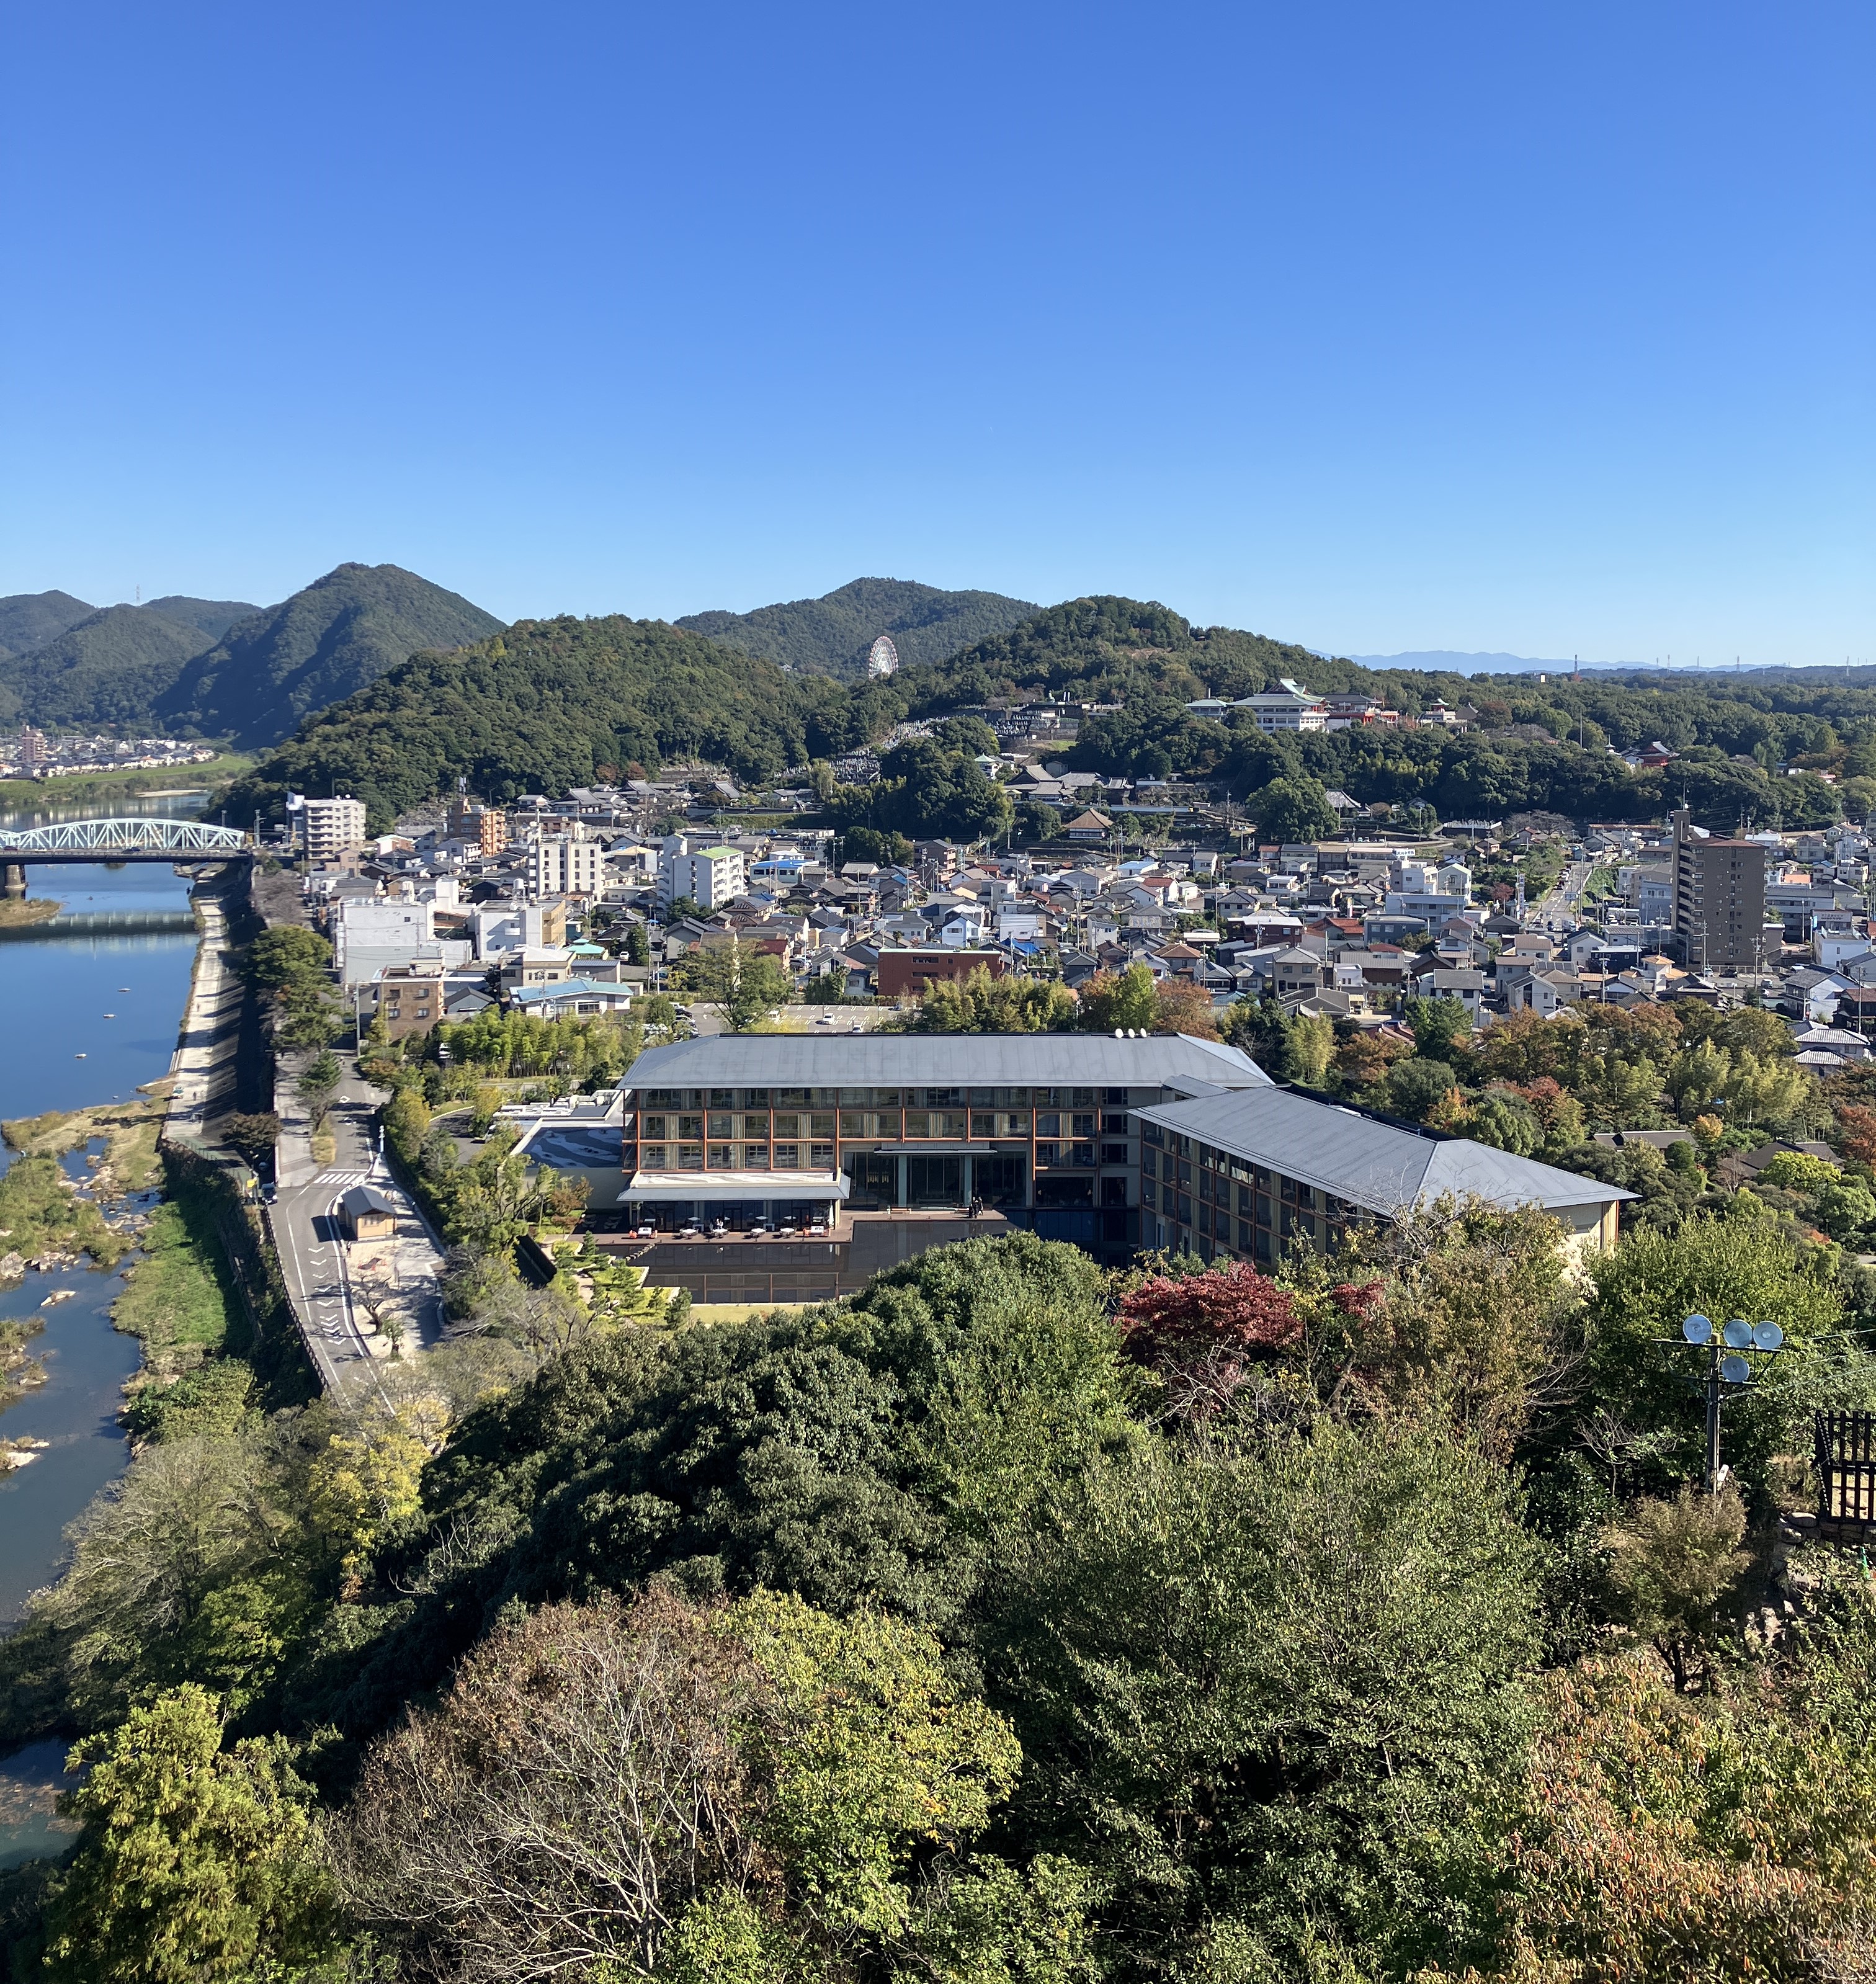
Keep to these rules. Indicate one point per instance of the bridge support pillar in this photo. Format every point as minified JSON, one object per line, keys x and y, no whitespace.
{"x":13,"y":881}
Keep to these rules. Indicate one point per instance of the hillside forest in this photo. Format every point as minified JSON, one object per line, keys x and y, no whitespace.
{"x":546,"y":704}
{"x":1011,"y":1622}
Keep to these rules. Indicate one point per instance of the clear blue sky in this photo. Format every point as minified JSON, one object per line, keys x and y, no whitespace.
{"x":1543,"y":328}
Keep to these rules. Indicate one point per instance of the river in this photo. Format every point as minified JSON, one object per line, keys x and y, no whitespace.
{"x":62,"y":1051}
{"x":84,"y":1017}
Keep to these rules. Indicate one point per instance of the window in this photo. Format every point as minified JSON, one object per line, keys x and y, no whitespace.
{"x":1049,"y":1125}
{"x":1149,"y":1165}
{"x":1149,"y":1192}
{"x":1082,"y":1154}
{"x":1113,"y":1125}
{"x":652,"y":1157}
{"x":983,"y":1123}
{"x":755,"y":1098}
{"x":756,"y":1126}
{"x":1047,"y":1154}
{"x":1084,"y":1126}
{"x":722,"y":1156}
{"x":722,"y":1098}
{"x":690,"y":1127}
{"x":1116,"y":1097}
{"x":821,"y":1126}
{"x":1114,"y":1154}
{"x":944,"y":1098}
{"x":654,"y":1126}
{"x":755,"y":1157}
{"x":1151,"y":1133}
{"x":788,"y":1157}
{"x":788,"y":1126}
{"x":690,"y":1157}
{"x":821,"y":1157}
{"x":853,"y":1123}
{"x":723,"y":1125}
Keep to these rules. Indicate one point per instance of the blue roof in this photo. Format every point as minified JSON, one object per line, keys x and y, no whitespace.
{"x":566,"y":988}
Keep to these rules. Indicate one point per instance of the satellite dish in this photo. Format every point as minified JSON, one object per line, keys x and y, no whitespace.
{"x":1766,"y":1336}
{"x":1697,"y":1329}
{"x":1738,"y":1333}
{"x":1735,"y":1370}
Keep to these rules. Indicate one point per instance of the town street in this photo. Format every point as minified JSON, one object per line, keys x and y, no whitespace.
{"x":314,"y":1255}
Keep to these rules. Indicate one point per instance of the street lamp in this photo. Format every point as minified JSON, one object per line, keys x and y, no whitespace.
{"x":1733,"y":1349}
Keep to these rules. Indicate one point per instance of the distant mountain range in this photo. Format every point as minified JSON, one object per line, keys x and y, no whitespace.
{"x":1449,"y":661}
{"x":830,"y":636}
{"x":219,"y":667}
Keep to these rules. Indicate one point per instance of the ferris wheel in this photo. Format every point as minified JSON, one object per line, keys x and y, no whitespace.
{"x":881,"y":657}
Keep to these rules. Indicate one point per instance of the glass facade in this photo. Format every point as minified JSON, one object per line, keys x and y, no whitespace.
{"x":1017,"y":1147}
{"x":1213,"y":1203}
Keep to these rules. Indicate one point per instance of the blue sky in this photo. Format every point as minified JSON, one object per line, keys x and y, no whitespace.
{"x":1538,"y":328}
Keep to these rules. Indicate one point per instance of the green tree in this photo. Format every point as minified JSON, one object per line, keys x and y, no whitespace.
{"x":253,"y":1137}
{"x":1311,"y":1044}
{"x":1440,"y":1027}
{"x":982,"y":1004}
{"x":638,"y":944}
{"x":1670,"y":1564}
{"x":1742,"y":1264}
{"x":1278,"y":1687}
{"x":316,"y":1087}
{"x":285,"y":955}
{"x":194,"y":1863}
{"x":1124,"y":1000}
{"x":745,"y":984}
{"x":1292,"y":809}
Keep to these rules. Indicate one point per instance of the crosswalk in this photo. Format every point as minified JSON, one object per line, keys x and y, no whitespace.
{"x":338,"y":1181}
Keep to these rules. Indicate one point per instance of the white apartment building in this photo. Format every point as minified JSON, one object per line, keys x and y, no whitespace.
{"x":326,"y":826}
{"x":370,"y":933}
{"x":711,"y":877}
{"x":568,"y":865}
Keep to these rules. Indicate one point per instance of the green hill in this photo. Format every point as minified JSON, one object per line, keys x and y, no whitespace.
{"x":831,"y":635}
{"x":268,"y":672}
{"x":212,"y":617}
{"x":109,"y":669}
{"x":547,"y":704}
{"x":28,"y":620}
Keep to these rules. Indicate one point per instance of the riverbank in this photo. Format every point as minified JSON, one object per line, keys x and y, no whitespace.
{"x":20,"y":912}
{"x":148,"y":783}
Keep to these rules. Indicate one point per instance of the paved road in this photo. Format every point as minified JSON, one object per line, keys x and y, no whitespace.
{"x":1561,"y":907}
{"x":314,"y":1256}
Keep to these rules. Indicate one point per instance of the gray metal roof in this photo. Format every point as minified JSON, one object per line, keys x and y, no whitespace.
{"x":363,"y":1198}
{"x":964,"y":1060}
{"x":1370,"y":1164}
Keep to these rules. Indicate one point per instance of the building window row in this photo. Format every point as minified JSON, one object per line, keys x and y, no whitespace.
{"x":695,"y":1099}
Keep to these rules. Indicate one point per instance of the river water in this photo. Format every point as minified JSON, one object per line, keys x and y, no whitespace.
{"x":85,"y":1017}
{"x":58,"y":1049}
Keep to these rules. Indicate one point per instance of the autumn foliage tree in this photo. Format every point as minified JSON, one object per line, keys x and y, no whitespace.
{"x":1202,"y":1333}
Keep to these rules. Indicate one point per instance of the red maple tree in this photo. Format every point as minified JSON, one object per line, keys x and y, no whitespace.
{"x":1230,"y":1307}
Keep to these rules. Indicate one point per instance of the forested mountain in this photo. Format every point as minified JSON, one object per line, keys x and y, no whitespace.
{"x":28,"y":620}
{"x":555,"y":703}
{"x":110,"y":669}
{"x":212,"y":617}
{"x":547,"y":704}
{"x":272,"y":669}
{"x":831,"y":635}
